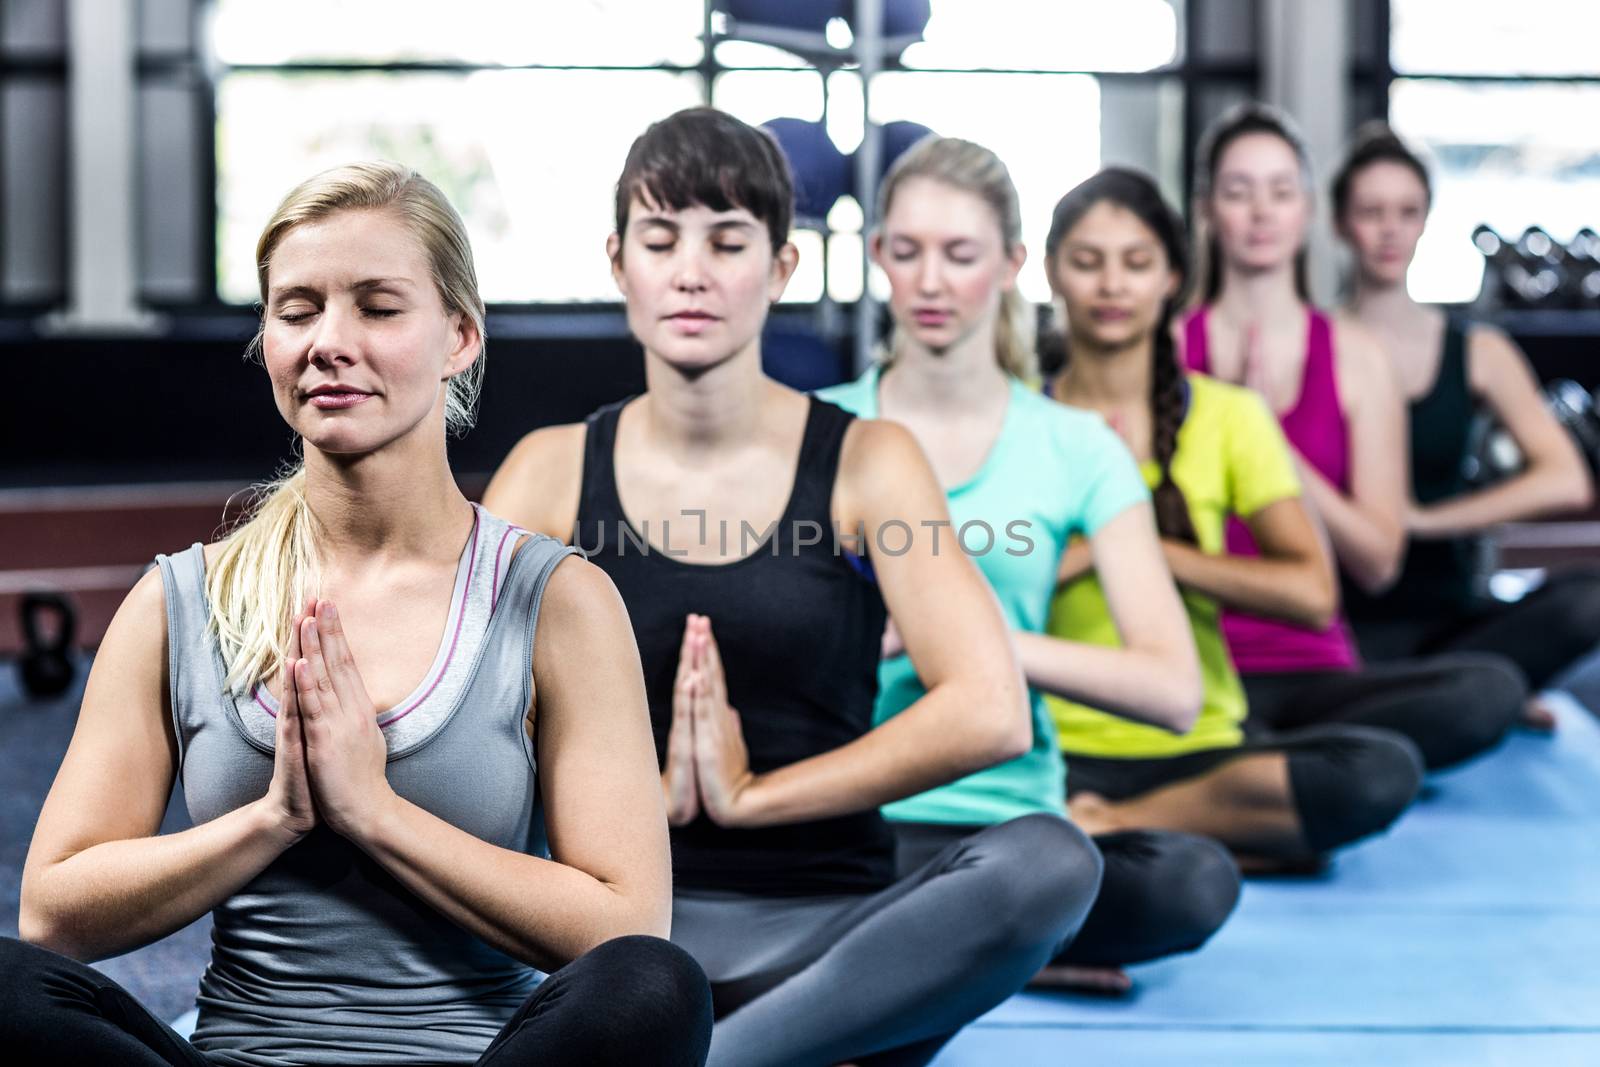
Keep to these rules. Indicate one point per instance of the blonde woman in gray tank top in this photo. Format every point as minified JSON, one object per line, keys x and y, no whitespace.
{"x":406,"y":807}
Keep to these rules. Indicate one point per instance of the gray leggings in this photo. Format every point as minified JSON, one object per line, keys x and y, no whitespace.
{"x":886,"y":978}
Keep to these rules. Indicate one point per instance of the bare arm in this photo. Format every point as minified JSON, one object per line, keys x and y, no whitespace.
{"x":975,"y":711}
{"x":538,"y":483}
{"x":1367,"y":528}
{"x":1076,"y":561}
{"x":1155,"y":676}
{"x":1555,"y":479}
{"x":98,"y":881}
{"x":609,"y":873}
{"x":1292,"y":580}
{"x":537,"y":487}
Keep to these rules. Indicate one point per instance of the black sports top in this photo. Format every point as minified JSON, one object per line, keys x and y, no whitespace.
{"x":1437,"y":576}
{"x":799,"y":629}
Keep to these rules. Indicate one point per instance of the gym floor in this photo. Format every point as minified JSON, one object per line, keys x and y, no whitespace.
{"x":1466,"y":936}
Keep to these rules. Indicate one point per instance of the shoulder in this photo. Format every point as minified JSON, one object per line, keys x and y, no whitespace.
{"x":1075,"y":432}
{"x":580,"y":606}
{"x":875,"y":451}
{"x":539,"y":481}
{"x":578,"y":587}
{"x":146,"y":601}
{"x":549,"y":447}
{"x":1497,"y":369}
{"x":883,"y":474}
{"x":211,"y":553}
{"x":1353,"y":341}
{"x":1491,"y":344}
{"x":139,"y":627}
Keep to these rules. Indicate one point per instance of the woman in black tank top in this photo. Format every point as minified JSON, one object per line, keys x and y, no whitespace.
{"x":755,"y":535}
{"x":1440,"y":602}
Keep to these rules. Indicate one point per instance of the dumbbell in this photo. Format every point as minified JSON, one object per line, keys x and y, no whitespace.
{"x":46,"y":665}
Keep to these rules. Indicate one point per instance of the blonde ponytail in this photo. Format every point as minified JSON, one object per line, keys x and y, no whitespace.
{"x":263,"y":575}
{"x":268,"y":564}
{"x":1014,"y":336}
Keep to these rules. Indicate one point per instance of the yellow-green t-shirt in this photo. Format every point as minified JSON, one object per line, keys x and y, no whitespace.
{"x":1231,"y":458}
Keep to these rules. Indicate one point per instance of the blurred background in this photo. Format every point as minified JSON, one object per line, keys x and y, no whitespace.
{"x":144,"y":142}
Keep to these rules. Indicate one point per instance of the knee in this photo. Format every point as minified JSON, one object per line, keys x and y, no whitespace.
{"x":1388,"y":774}
{"x":655,"y":992}
{"x":25,"y":973}
{"x":1043,"y":874}
{"x":1487,"y":696}
{"x":1193,"y":886}
{"x":1376,"y":777}
{"x":19,"y":958}
{"x":1578,"y":593}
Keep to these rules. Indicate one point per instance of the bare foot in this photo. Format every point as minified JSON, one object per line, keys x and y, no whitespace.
{"x":1537,"y":715}
{"x":1099,"y":981}
{"x":1092,"y":813}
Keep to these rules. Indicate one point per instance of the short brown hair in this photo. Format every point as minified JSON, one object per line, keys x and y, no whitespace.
{"x":704,"y":156}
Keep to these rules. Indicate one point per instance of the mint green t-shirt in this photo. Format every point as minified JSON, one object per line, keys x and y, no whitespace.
{"x":1052,"y":473}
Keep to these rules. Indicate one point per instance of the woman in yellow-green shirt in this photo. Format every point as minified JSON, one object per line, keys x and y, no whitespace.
{"x":1115,"y":256}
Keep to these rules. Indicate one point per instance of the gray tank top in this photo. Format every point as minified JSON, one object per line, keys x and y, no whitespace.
{"x":324,"y":958}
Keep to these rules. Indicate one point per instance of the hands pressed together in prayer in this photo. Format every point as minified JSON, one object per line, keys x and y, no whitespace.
{"x":328,"y":764}
{"x":707,"y":766}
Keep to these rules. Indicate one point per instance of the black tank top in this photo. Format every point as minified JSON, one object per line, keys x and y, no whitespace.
{"x":1436,"y":575}
{"x":799,"y":629}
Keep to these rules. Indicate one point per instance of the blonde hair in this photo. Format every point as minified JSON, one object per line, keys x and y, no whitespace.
{"x":975,"y":169}
{"x":268,"y":563}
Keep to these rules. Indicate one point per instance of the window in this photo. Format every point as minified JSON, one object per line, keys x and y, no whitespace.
{"x":523,"y":116}
{"x":529,"y":154}
{"x":1507,"y":113}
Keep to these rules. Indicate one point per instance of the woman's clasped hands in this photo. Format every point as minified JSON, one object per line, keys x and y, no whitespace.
{"x":329,"y":758}
{"x":707,"y":766}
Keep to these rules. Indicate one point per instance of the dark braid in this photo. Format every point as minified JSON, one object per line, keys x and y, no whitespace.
{"x":1168,"y":404}
{"x":1137,"y":193}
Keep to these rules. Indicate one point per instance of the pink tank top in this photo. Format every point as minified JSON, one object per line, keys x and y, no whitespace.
{"x":1315,"y":426}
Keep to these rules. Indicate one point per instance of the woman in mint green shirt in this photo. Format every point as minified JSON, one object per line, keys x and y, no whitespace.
{"x":1023,"y":476}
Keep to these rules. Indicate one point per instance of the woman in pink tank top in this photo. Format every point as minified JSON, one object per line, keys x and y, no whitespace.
{"x":1334,"y":394}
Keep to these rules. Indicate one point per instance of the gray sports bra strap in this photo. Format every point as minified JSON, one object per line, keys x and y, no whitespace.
{"x":508,"y":651}
{"x":193,"y":665}
{"x":523,"y":588}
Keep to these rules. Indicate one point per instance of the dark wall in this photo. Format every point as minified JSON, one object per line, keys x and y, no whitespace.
{"x":188,"y":407}
{"x":93,"y":412}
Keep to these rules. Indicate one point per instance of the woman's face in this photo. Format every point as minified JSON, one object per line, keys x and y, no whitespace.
{"x":697,"y":282}
{"x":1383,"y":220}
{"x":355,"y":338}
{"x":1113,"y":274}
{"x":1259,"y":208}
{"x":946,"y":260}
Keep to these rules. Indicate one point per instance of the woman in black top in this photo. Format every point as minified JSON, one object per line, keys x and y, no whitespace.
{"x":1447,"y":369}
{"x":737,"y":518}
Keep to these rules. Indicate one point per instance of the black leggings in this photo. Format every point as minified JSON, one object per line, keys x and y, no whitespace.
{"x":630,"y":1000}
{"x":1347,"y":782}
{"x":1161,"y":892}
{"x":1543,"y":633}
{"x":1451,"y":707}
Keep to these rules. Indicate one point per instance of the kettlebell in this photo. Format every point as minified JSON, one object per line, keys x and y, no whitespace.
{"x":46,"y":665}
